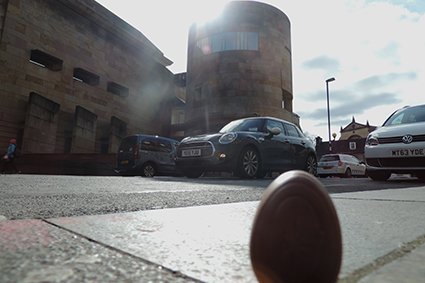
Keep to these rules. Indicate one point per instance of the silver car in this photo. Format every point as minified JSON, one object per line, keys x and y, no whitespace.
{"x":342,"y":165}
{"x":398,"y":146}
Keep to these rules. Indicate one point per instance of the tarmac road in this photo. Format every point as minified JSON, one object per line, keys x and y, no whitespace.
{"x":34,"y":250}
{"x":46,"y":196}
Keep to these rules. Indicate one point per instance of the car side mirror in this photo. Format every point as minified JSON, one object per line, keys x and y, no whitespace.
{"x":276,"y":131}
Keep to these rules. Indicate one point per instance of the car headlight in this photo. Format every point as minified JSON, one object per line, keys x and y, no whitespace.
{"x":371,"y":140}
{"x":227,"y":138}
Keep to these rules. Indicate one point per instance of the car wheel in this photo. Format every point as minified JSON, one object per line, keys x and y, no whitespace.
{"x":378,"y":176}
{"x":347,"y":173}
{"x":148,"y":170}
{"x":248,"y":163}
{"x":311,"y":165}
{"x":193,"y":174}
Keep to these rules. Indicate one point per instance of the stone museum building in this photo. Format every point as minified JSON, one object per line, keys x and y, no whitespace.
{"x":75,"y":78}
{"x":239,"y":64}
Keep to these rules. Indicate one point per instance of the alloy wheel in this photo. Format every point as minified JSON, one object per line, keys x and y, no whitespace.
{"x":148,"y":170}
{"x":250,"y":163}
{"x":311,"y":165}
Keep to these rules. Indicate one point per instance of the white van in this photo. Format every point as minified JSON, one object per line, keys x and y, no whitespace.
{"x":146,"y":156}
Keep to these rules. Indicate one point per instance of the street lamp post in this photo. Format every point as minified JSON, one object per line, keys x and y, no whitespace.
{"x":329,"y":115}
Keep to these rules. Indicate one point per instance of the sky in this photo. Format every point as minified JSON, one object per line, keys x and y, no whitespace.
{"x":375,"y":50}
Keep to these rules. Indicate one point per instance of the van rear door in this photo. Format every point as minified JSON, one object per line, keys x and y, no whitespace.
{"x":127,"y":153}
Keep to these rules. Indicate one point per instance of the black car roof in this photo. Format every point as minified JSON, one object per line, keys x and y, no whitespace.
{"x":269,"y":118}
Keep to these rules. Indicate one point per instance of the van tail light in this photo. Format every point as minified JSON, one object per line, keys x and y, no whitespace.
{"x":340,"y":163}
{"x":136,"y":152}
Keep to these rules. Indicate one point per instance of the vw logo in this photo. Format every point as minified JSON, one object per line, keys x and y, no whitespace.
{"x":407,"y":139}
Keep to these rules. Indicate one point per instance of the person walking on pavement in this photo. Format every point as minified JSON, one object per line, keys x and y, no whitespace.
{"x":9,"y":158}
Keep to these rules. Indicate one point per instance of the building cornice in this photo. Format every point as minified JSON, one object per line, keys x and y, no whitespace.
{"x":107,"y":20}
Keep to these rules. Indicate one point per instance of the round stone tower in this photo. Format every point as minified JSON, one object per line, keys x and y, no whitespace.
{"x":239,"y":65}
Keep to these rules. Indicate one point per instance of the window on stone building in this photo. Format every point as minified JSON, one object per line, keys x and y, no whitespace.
{"x":217,"y":43}
{"x":67,"y":141}
{"x":45,"y":60}
{"x":85,"y":76}
{"x":229,"y":41}
{"x":104,"y":145}
{"x":286,"y":100}
{"x":198,"y":94}
{"x":179,"y":134}
{"x":117,"y":89}
{"x":177,"y":116}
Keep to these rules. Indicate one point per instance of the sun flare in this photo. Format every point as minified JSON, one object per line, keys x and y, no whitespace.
{"x":207,"y":10}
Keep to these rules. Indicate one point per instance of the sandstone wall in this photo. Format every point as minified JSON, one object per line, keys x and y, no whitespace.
{"x":77,"y":54}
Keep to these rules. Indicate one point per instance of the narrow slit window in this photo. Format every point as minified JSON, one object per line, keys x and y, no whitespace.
{"x":85,"y":76}
{"x":45,"y":60}
{"x":117,"y":89}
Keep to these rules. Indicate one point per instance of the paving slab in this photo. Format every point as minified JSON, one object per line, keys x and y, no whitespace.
{"x":408,"y":269}
{"x":416,"y":194}
{"x":373,"y":228}
{"x":211,"y":243}
{"x":33,"y":251}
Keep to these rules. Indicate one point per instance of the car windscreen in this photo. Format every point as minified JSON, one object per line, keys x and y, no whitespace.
{"x":407,"y":116}
{"x":329,"y":158}
{"x":244,"y":125}
{"x":128,"y":144}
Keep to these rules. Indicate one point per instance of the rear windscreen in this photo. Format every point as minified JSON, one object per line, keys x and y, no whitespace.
{"x":330,"y":158}
{"x":128,"y":144}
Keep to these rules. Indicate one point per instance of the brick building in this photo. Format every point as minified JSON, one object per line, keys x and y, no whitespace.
{"x":75,"y":78}
{"x":352,"y":140}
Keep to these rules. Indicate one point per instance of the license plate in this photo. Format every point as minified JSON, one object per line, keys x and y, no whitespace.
{"x":407,"y":152}
{"x":191,"y":152}
{"x":327,"y":167}
{"x":124,"y":162}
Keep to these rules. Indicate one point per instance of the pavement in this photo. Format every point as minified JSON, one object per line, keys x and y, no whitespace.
{"x":383,"y":241}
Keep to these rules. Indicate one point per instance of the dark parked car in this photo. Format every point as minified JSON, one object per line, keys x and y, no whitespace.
{"x":249,"y":148}
{"x":146,"y":156}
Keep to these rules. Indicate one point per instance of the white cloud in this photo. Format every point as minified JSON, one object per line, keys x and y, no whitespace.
{"x":381,"y":66}
{"x":374,"y":49}
{"x":322,"y":62}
